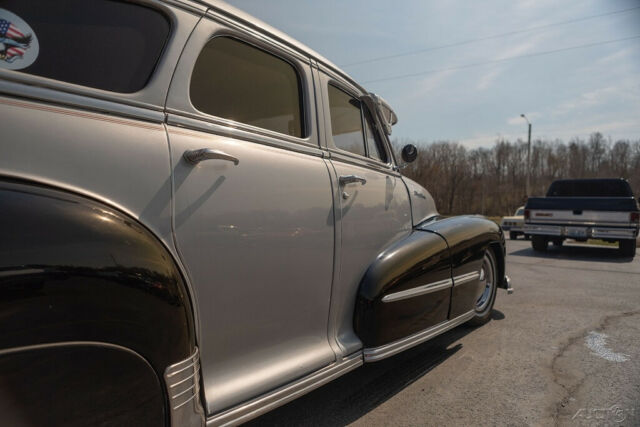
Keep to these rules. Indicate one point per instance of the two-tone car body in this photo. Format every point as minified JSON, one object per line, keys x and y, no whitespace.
{"x":203,"y":219}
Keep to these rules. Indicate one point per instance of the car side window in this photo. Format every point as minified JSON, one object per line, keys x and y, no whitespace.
{"x":236,"y":81}
{"x":346,"y":121}
{"x":375,"y":149}
{"x":102,"y":44}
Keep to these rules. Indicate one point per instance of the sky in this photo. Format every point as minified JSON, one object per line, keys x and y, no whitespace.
{"x":464,"y":71}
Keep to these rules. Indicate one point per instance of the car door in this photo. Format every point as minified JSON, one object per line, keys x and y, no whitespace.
{"x":372,"y":206}
{"x":253,"y":211}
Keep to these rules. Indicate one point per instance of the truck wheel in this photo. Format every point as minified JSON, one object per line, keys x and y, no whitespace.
{"x":539,"y":243}
{"x":627,"y":248}
{"x":513,"y":235}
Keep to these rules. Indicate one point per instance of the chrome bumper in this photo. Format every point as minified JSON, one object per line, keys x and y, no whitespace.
{"x":591,"y":231}
{"x":507,"y":284}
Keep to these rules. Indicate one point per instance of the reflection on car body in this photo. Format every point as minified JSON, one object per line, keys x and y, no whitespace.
{"x":229,"y":224}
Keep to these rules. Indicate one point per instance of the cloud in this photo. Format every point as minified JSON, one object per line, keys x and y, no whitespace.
{"x":488,"y":78}
{"x":597,"y":97}
{"x":430,"y":83}
{"x":616,"y":57}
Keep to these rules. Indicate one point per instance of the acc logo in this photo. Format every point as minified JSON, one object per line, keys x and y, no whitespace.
{"x":18,"y":43}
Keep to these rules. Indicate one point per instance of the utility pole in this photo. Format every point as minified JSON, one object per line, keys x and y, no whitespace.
{"x":528,"y":184}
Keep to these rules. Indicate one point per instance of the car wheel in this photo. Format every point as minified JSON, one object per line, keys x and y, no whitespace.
{"x":539,"y":243}
{"x":627,"y":248}
{"x":488,"y":277}
{"x":513,"y":235}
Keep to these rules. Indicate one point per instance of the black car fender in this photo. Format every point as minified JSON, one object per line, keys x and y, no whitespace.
{"x":79,"y":277}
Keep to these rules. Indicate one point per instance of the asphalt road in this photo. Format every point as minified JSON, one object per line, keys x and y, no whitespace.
{"x":564,"y":349}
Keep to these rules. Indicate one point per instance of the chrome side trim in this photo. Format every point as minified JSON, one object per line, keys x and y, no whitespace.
{"x":278,"y":397}
{"x":419,"y":290}
{"x":466,"y":278}
{"x":387,"y":350}
{"x":183,"y":387}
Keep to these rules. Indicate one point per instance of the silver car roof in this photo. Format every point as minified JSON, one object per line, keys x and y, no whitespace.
{"x":251,"y":21}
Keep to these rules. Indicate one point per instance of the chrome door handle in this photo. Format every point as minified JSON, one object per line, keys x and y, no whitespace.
{"x":196,"y":156}
{"x":348,"y":179}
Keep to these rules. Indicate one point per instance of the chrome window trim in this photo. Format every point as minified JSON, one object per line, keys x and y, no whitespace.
{"x":378,"y":353}
{"x":178,"y":99}
{"x":156,"y":86}
{"x":356,"y":160}
{"x":354,"y":93}
{"x":271,"y":48}
{"x":196,"y":123}
{"x":237,"y":27}
{"x":258,"y":406}
{"x":466,"y":278}
{"x":418,"y":290}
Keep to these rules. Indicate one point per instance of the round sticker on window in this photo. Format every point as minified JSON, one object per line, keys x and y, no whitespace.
{"x":18,"y":42}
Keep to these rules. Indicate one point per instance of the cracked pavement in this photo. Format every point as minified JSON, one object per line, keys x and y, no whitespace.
{"x":564,"y":349}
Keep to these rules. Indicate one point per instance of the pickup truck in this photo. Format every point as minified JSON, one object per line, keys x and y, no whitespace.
{"x":583,"y":209}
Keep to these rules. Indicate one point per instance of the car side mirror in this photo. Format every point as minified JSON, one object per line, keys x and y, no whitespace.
{"x":409,"y":153}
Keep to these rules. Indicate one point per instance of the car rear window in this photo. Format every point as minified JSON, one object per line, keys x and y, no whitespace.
{"x":590,"y":188}
{"x":104,"y":44}
{"x":237,"y":81}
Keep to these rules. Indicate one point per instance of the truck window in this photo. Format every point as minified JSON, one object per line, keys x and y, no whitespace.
{"x":590,"y":188}
{"x":239,"y":82}
{"x":109,"y":45}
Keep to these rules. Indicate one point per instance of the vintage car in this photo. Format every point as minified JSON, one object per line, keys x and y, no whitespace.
{"x":203,"y":219}
{"x":514,"y":224}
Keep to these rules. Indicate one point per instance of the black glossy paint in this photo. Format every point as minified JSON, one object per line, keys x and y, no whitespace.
{"x":419,"y":259}
{"x":72,"y":269}
{"x":468,"y":237}
{"x":79,"y":386}
{"x":441,"y":248}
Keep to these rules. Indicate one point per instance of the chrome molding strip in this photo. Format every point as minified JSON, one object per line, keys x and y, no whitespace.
{"x":382,"y":352}
{"x":419,"y":290}
{"x":183,"y":386}
{"x":278,"y":397}
{"x":466,"y":278}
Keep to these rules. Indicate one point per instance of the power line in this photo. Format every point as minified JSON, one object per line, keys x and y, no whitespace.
{"x":526,"y":30}
{"x":493,"y":61}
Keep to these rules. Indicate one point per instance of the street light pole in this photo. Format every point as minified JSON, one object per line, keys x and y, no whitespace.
{"x":528,"y":187}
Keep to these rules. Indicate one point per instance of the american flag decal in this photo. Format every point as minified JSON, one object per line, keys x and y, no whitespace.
{"x":14,"y":40}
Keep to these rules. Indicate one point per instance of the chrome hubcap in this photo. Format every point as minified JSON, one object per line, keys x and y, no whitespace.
{"x":487,"y":277}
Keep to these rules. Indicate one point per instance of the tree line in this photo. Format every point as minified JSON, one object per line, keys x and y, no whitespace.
{"x":492,"y":181}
